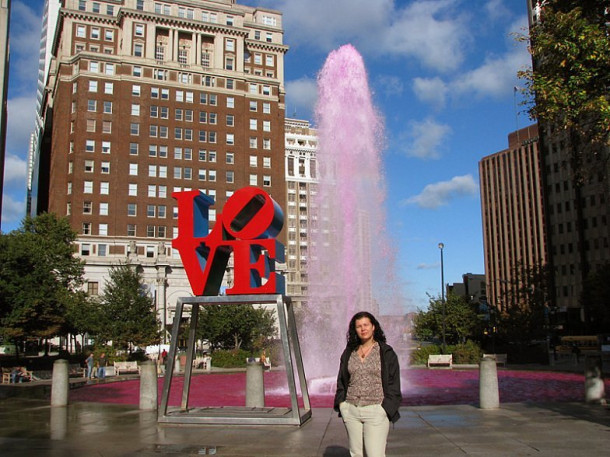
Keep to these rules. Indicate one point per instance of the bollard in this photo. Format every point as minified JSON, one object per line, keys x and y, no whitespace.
{"x":60,"y":383}
{"x":58,"y":425}
{"x":208,"y":363}
{"x":594,"y":382}
{"x":489,"y":397}
{"x":177,"y":365}
{"x":255,"y":386}
{"x":148,"y":386}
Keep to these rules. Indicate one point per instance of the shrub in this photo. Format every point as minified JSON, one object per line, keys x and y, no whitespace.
{"x":466,"y":353}
{"x":420,"y":355}
{"x":230,"y":359}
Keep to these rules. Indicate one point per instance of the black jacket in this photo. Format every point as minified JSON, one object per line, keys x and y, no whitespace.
{"x":390,"y":380}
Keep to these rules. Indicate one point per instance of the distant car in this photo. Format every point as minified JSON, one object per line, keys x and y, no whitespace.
{"x":8,"y":349}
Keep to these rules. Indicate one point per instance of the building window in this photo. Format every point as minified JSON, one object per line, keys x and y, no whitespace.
{"x":266,"y":126}
{"x":106,"y":127}
{"x":92,"y":86}
{"x":107,"y":107}
{"x":133,"y":169}
{"x":230,"y":177}
{"x":133,"y":190}
{"x":137,"y":71}
{"x":212,"y":175}
{"x":132,"y":209}
{"x":230,"y":158}
{"x":104,"y":188}
{"x":134,"y":129}
{"x":103,"y":209}
{"x":91,"y":125}
{"x":253,"y":180}
{"x":131,"y":230}
{"x":151,"y":210}
{"x":88,"y":187}
{"x":102,"y":229}
{"x":135,"y":109}
{"x":87,"y":207}
{"x":138,"y":49}
{"x":86,"y":228}
{"x":230,"y":139}
{"x":202,"y":174}
{"x":230,"y":120}
{"x":266,"y":181}
{"x":253,"y":161}
{"x":85,"y":248}
{"x":108,"y":35}
{"x":105,"y":168}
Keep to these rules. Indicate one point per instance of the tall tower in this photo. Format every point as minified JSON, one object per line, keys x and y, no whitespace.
{"x":5,"y":13}
{"x":148,"y":98}
{"x":301,"y":185}
{"x":512,"y":213}
{"x":577,"y":208}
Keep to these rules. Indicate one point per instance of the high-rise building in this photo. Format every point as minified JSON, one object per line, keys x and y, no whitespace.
{"x":5,"y":12}
{"x":147,"y":98}
{"x":513,"y":214}
{"x":301,"y":185}
{"x":577,"y":205}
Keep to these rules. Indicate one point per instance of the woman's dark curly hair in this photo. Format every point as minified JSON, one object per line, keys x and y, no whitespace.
{"x":352,"y":337}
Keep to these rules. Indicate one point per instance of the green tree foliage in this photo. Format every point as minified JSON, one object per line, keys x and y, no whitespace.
{"x":596,"y":299}
{"x":568,"y":85}
{"x":235,"y":326}
{"x":524,"y":318}
{"x":127,"y":316}
{"x":39,"y":278}
{"x":461,"y":320}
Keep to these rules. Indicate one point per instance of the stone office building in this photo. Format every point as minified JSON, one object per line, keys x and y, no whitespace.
{"x":146,"y":98}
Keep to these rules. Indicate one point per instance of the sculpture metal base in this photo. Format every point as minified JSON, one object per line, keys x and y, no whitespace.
{"x":294,"y":415}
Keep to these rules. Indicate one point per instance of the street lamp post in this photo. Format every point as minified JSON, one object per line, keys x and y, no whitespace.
{"x":441,"y":246}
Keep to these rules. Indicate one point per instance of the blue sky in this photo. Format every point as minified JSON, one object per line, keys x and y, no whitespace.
{"x":442,"y":72}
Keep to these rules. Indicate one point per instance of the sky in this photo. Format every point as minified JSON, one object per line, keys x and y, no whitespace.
{"x":443,"y":75}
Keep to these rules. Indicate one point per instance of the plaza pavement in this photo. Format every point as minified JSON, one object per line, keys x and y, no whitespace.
{"x":33,"y":428}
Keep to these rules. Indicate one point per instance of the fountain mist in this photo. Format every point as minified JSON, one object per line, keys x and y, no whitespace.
{"x":350,"y":265}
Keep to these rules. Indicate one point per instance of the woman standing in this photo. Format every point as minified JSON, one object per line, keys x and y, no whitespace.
{"x":368,"y":387}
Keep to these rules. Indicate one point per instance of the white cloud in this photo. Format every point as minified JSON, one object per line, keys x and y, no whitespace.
{"x":301,"y":96}
{"x":425,"y":138}
{"x":20,"y":123}
{"x":427,"y":266}
{"x":495,"y":9}
{"x":431,"y":90}
{"x":495,"y":77}
{"x":14,"y":170}
{"x":12,"y":210}
{"x":439,"y":194}
{"x":25,"y":31}
{"x":431,"y":31}
{"x":390,"y":85}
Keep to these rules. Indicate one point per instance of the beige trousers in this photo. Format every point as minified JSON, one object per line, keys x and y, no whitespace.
{"x":368,"y":425}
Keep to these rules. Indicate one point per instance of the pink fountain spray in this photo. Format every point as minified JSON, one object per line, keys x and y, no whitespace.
{"x":351,"y":265}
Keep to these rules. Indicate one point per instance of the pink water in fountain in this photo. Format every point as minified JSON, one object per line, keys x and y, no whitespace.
{"x":350,"y":264}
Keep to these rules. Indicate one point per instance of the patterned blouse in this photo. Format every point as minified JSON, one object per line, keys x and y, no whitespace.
{"x":365,"y":379}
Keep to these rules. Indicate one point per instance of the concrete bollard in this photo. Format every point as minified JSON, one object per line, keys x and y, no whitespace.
{"x":489,"y":396}
{"x":148,"y":385}
{"x":60,"y":383}
{"x":208,"y":363}
{"x":255,"y":386}
{"x":177,"y":365}
{"x":594,"y":381}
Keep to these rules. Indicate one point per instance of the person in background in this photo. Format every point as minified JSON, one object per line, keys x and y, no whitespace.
{"x":368,"y":387}
{"x":90,"y":362}
{"x":101,"y":366}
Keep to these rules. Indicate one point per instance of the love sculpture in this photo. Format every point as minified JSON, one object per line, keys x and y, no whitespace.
{"x":246,"y":229}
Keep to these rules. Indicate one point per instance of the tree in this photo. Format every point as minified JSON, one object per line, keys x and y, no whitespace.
{"x":128,"y":316}
{"x":235,"y":326}
{"x":567,"y":87}
{"x":39,"y":277}
{"x":461,"y":320}
{"x":525,"y":318}
{"x":596,"y":296}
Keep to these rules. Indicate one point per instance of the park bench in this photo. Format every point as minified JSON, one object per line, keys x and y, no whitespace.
{"x":6,"y":375}
{"x":440,"y":360}
{"x":75,"y":369}
{"x":499,"y":358}
{"x":126,"y":367}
